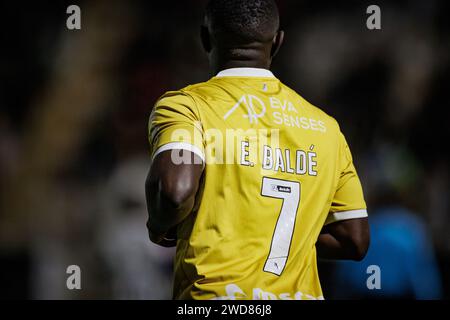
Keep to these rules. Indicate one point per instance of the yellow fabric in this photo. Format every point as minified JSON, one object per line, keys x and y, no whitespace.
{"x":253,"y":230}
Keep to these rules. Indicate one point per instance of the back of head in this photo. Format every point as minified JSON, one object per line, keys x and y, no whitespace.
{"x":238,"y":22}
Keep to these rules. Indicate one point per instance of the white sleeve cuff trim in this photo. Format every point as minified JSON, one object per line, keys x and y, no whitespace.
{"x":346,"y":215}
{"x":180,"y":146}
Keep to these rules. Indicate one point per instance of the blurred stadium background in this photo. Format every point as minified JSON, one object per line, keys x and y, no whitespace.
{"x":73,"y":148}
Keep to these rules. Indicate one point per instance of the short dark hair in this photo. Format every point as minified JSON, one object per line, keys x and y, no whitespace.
{"x":247,"y":20}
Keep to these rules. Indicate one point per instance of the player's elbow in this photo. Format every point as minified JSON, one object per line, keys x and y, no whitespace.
{"x":359,"y":245}
{"x":178,"y":193}
{"x":167,"y":203}
{"x":166,"y":193}
{"x":360,"y":252}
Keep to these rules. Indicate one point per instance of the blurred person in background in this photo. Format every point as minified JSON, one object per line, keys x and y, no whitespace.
{"x":138,"y":270}
{"x":401,"y":244}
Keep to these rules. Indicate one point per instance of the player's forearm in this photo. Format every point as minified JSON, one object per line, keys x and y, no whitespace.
{"x":165,"y":210}
{"x":165,"y":213}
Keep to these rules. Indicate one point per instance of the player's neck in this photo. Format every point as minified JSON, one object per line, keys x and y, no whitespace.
{"x":246,"y":59}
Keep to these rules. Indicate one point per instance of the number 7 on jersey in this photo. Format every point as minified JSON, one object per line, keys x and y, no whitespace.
{"x":289,"y":192}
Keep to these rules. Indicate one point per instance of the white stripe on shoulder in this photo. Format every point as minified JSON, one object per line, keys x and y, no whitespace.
{"x":181,"y":146}
{"x":346,"y":215}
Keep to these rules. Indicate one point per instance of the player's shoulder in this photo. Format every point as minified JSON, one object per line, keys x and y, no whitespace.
{"x":186,"y":95}
{"x":313,"y":111}
{"x":202,"y":90}
{"x":179,"y":101}
{"x":174,"y":97}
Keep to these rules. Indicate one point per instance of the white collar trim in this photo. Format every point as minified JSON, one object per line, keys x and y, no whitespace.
{"x":245,"y":72}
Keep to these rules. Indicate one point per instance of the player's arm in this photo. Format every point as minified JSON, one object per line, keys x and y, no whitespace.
{"x":170,"y":191}
{"x":176,"y":144}
{"x":347,"y":239}
{"x":345,"y":234}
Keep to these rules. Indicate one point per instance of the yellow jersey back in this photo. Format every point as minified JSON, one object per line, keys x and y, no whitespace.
{"x":277,"y":169}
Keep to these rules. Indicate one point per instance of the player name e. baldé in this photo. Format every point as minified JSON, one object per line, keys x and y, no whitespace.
{"x":299,"y":162}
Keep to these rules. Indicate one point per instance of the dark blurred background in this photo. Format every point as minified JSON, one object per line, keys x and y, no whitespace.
{"x":74,"y":153}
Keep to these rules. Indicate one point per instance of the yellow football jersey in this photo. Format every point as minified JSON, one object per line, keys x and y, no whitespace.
{"x":277,"y":169}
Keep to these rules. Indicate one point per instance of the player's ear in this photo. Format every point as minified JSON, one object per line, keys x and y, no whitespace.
{"x":276,"y":43}
{"x":206,"y":40}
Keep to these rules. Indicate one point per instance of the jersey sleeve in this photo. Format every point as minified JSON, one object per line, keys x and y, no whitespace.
{"x":348,"y":201}
{"x":175,"y":124}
